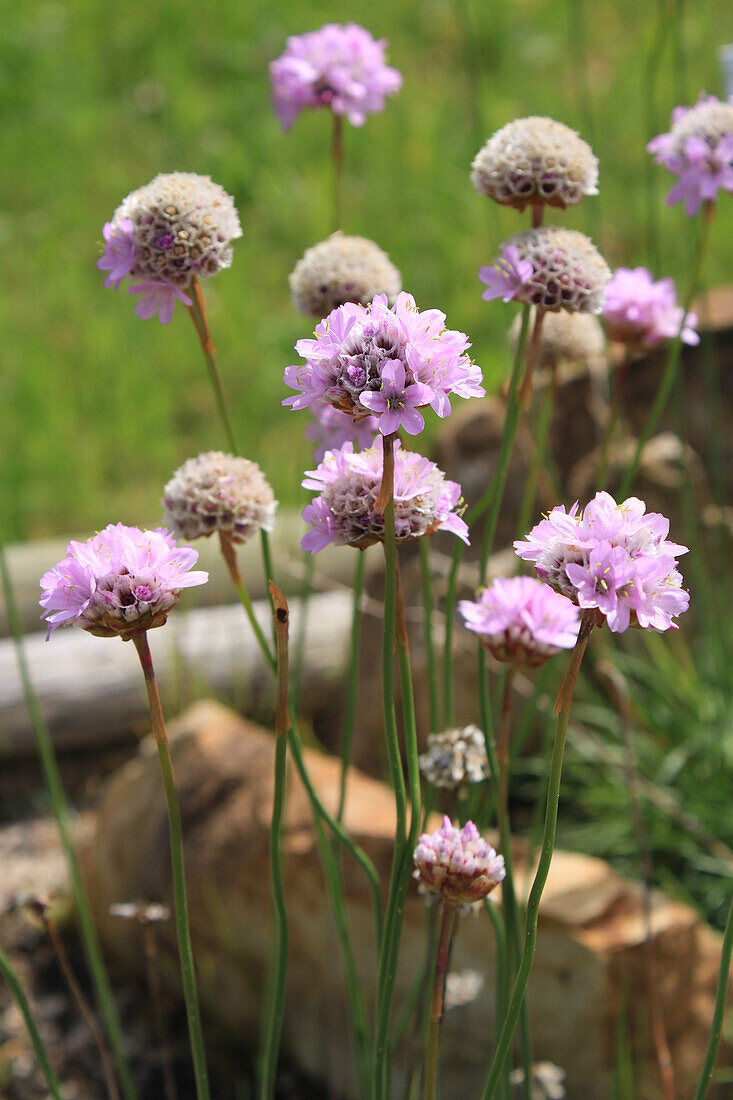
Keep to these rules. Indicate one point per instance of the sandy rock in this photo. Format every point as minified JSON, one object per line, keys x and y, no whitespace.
{"x":589,"y":955}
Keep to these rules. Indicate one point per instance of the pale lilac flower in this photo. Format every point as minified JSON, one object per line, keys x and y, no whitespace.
{"x":349,"y":484}
{"x":522,"y":621}
{"x":120,"y":582}
{"x":643,"y":313}
{"x":698,"y":149}
{"x":333,"y":428}
{"x":338,"y":66}
{"x":457,"y":864}
{"x":613,"y":557}
{"x":158,"y":298}
{"x":119,"y":251}
{"x":396,"y":404}
{"x":355,"y":344}
{"x":506,"y":276}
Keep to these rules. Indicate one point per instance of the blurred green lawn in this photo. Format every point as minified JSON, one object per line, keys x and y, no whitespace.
{"x":99,"y":407}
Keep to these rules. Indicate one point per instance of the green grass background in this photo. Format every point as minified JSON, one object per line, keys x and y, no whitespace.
{"x":99,"y":407}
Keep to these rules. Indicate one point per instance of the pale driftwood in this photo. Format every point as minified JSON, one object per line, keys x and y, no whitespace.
{"x":589,"y":961}
{"x":91,"y":690}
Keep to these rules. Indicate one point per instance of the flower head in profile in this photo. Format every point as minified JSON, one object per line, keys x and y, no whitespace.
{"x":549,"y":268}
{"x":332,"y":428}
{"x":339,"y":66}
{"x":522,"y":621}
{"x":612,"y":557}
{"x":120,"y":582}
{"x":455,"y":757}
{"x":384,"y":361}
{"x":348,"y":485}
{"x":698,"y":149}
{"x":457,"y":864}
{"x":642,"y":313}
{"x":342,"y":269}
{"x":219,"y":492}
{"x":178,"y":226}
{"x":572,"y":338}
{"x":535,"y":160}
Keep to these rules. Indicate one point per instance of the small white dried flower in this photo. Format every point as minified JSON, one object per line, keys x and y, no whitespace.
{"x":182,"y":225}
{"x":339,"y":270}
{"x":455,"y":757}
{"x":462,"y":987}
{"x":535,"y":160}
{"x":219,"y":492}
{"x":547,"y":1081}
{"x":568,"y":271}
{"x":564,"y":338}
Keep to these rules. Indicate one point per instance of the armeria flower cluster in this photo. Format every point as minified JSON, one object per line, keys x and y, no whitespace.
{"x":698,"y":149}
{"x":386,"y":362}
{"x":458,"y":864}
{"x":178,"y":226}
{"x":348,"y":484}
{"x":642,"y":313}
{"x":550,"y":268}
{"x":219,"y":492}
{"x":455,"y":757}
{"x":522,"y":621}
{"x":341,"y":67}
{"x":120,"y":582}
{"x":342,"y":269}
{"x":613,"y":557}
{"x":564,"y":338}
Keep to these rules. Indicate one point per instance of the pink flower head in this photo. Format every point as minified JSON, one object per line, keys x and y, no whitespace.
{"x":120,"y":582}
{"x":614,"y":557}
{"x":458,"y":864}
{"x":644,"y":314}
{"x":333,"y":428}
{"x":119,"y":251}
{"x":504,"y":278}
{"x":522,"y":621}
{"x":698,"y":149}
{"x":339,"y":66}
{"x":349,"y":484}
{"x":388,"y":361}
{"x":158,"y":298}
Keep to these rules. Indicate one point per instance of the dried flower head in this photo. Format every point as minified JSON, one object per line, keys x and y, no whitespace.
{"x":219,"y":492}
{"x":546,"y":1084}
{"x":338,"y":66}
{"x":332,"y":428}
{"x":699,"y":150}
{"x":339,"y":270}
{"x":177,"y":226}
{"x":462,"y":987}
{"x":643,"y":314}
{"x":535,"y":160}
{"x":551,"y":268}
{"x":522,"y":621}
{"x":120,"y":582}
{"x":349,"y":485}
{"x":455,"y":757}
{"x":564,"y":338}
{"x":387,"y":362}
{"x":613,"y":557}
{"x":457,"y":864}
{"x":141,"y":911}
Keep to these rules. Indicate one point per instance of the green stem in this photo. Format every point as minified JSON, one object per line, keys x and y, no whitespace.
{"x":502,"y":976}
{"x":197,"y":310}
{"x":337,"y":155}
{"x":544,"y":421}
{"x":673,"y":355}
{"x":59,"y":805}
{"x":543,"y":868}
{"x":305,"y":596}
{"x":188,"y":971}
{"x":229,"y":553}
{"x":436,"y":722}
{"x":447,"y":920}
{"x":22,"y":1002}
{"x":352,"y":687}
{"x":718,"y":1012}
{"x":510,"y":428}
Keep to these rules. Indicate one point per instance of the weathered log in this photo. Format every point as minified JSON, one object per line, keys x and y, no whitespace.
{"x":589,"y":964}
{"x":91,"y":689}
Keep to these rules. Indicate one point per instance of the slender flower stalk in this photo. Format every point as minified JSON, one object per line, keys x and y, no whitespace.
{"x":428,"y":603}
{"x":525,"y":390}
{"x":447,"y":920}
{"x":675,"y":349}
{"x":282,"y":728}
{"x":229,"y":553}
{"x":501,"y":999}
{"x":188,"y":971}
{"x":538,"y":462}
{"x":721,"y":996}
{"x":59,"y":805}
{"x":352,"y":688}
{"x":11,"y":978}
{"x":197,"y":311}
{"x":562,"y":711}
{"x":337,"y":156}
